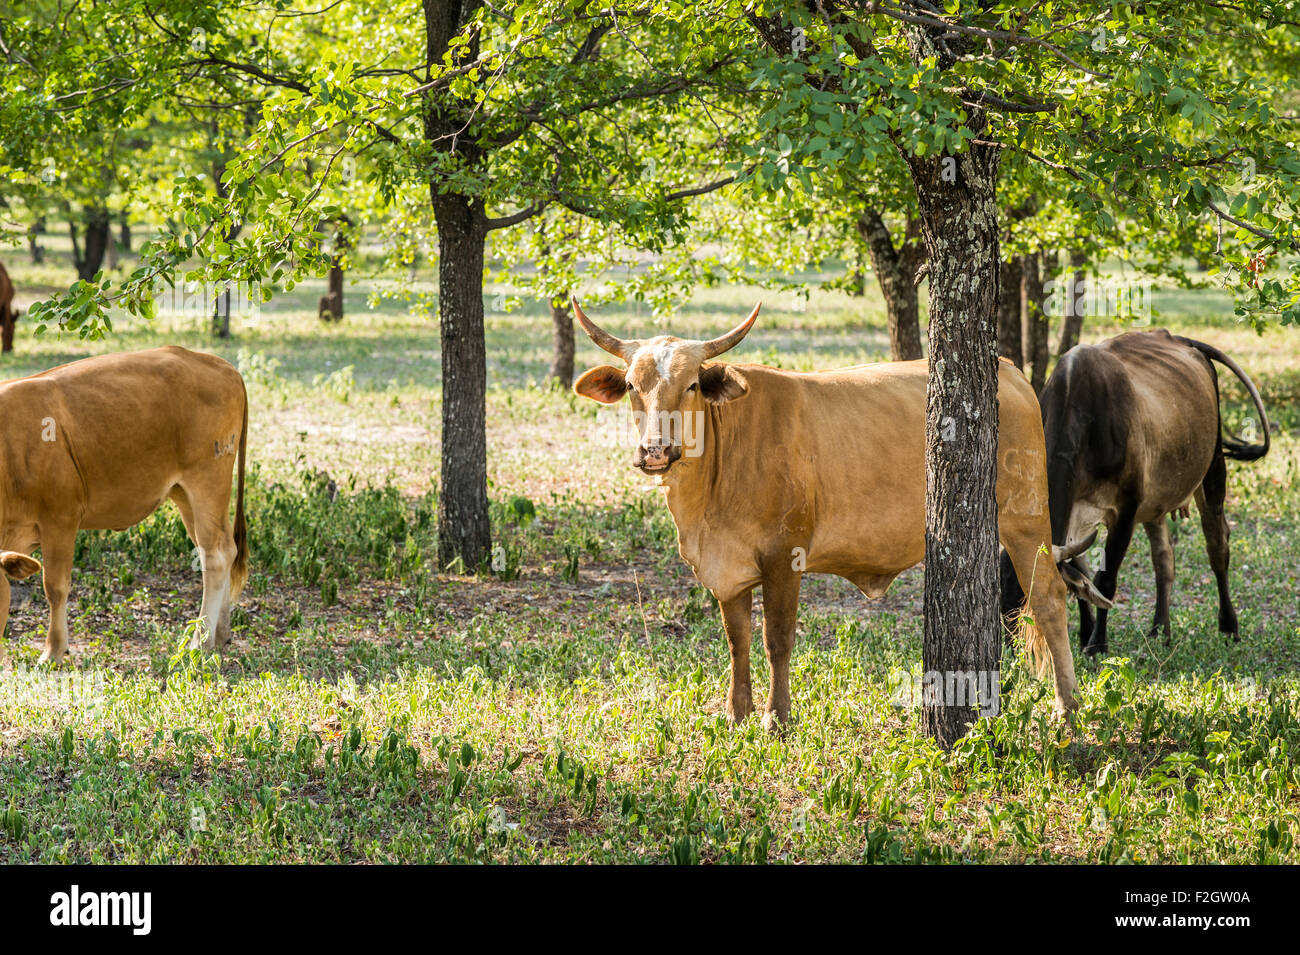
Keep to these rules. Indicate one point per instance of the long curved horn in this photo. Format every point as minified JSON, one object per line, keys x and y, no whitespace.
{"x":602,"y":338}
{"x":717,"y":346}
{"x":1061,"y":553}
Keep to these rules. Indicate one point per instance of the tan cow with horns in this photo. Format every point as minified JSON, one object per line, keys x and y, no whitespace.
{"x":100,"y":444}
{"x":823,"y":472}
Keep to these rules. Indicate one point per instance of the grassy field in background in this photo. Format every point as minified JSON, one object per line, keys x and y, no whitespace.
{"x":570,"y":708}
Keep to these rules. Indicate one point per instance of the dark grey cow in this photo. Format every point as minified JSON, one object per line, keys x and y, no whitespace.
{"x":1133,"y":433}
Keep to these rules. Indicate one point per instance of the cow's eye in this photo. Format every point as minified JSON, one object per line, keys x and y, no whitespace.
{"x":693,"y":386}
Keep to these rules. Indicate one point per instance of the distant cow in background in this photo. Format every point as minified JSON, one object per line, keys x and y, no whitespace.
{"x":100,"y":444}
{"x":8,"y":314}
{"x":1133,"y":432}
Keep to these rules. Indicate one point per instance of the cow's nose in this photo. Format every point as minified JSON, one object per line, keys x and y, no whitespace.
{"x":655,"y":454}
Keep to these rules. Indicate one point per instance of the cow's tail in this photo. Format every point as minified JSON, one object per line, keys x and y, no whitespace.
{"x":239,"y":569}
{"x":1036,"y":652}
{"x":1019,"y":618}
{"x":1237,"y":450}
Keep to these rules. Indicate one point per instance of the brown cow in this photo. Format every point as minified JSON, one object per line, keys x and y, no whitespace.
{"x":786,"y":473}
{"x":100,"y":444}
{"x":8,"y":314}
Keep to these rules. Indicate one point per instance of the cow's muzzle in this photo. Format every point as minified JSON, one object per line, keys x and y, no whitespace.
{"x":656,"y":458}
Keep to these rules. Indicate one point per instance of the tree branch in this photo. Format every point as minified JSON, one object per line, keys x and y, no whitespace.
{"x":504,"y":222}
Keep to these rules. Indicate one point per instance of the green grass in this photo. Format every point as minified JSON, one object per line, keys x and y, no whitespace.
{"x":569,"y":709}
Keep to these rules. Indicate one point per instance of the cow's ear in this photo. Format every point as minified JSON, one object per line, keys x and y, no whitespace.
{"x":722,"y":383}
{"x":18,"y":566}
{"x":605,"y":384}
{"x":1081,"y":585}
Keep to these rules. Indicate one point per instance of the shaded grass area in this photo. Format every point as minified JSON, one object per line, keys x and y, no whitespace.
{"x":568,"y":706}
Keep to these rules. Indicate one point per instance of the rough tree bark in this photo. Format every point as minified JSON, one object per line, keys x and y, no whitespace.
{"x":895,"y":268}
{"x":1076,"y":291}
{"x":959,"y":218}
{"x":1009,"y":310}
{"x":464,"y":529}
{"x":1033,"y":320}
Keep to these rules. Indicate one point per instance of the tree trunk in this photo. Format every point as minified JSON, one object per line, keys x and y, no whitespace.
{"x":895,"y":270}
{"x":1076,"y":291}
{"x":561,"y":317}
{"x":1009,"y":310}
{"x":125,"y":235}
{"x":221,"y":313}
{"x":1033,"y":318}
{"x":464,"y":530}
{"x":561,"y":341}
{"x":221,"y":304}
{"x":34,"y":247}
{"x":958,"y":199}
{"x":97,"y":238}
{"x":330,"y":307}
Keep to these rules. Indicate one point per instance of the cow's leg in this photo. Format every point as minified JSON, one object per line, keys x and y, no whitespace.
{"x":218,"y":550}
{"x":780,"y":614}
{"x":210,"y":530}
{"x":1047,"y":605}
{"x":1118,"y":537}
{"x":1214,"y":523}
{"x":1013,"y":597}
{"x":182,"y":502}
{"x":738,"y":621}
{"x":1162,"y":560}
{"x":57,"y":548}
{"x":5,"y":596}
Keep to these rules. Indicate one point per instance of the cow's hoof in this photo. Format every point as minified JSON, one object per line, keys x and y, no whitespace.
{"x":775,"y":723}
{"x":51,"y":658}
{"x":1095,"y":649}
{"x":1065,"y":701}
{"x":1158,"y":631}
{"x":1064,"y":712}
{"x":738,"y":714}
